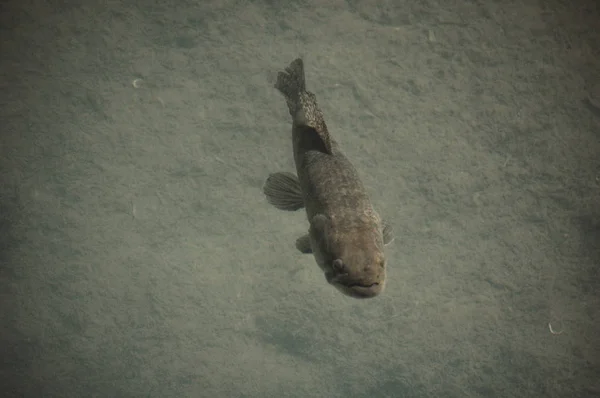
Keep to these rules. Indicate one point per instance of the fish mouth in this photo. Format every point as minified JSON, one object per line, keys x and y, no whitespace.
{"x":357,"y":289}
{"x":362,"y":286}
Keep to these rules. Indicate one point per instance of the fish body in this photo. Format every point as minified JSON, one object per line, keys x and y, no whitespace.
{"x":346,"y":234}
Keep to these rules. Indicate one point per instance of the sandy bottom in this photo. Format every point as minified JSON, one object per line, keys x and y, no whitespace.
{"x":140,"y":259}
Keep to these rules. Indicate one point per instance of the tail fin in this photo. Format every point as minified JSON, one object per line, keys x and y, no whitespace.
{"x":291,"y":84}
{"x":301,"y":103}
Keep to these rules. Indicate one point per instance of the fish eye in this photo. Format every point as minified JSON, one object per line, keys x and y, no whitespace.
{"x":339,"y":266}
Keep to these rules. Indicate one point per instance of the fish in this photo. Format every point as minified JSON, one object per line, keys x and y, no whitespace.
{"x":346,"y":235}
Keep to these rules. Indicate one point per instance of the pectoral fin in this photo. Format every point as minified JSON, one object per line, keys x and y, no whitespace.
{"x":283,"y":191}
{"x":388,"y":233}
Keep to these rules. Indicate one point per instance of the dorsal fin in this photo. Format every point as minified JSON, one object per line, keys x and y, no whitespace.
{"x":309,"y":115}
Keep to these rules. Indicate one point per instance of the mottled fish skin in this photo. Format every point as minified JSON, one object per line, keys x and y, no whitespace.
{"x":346,"y":234}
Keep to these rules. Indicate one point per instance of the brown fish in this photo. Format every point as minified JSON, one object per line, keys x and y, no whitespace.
{"x":346,"y":234}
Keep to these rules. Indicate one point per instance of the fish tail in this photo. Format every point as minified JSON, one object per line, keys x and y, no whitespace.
{"x":292,"y":85}
{"x":302,"y":104}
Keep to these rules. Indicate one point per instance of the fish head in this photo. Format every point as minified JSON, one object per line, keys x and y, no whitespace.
{"x":358,"y":265}
{"x":352,"y":259}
